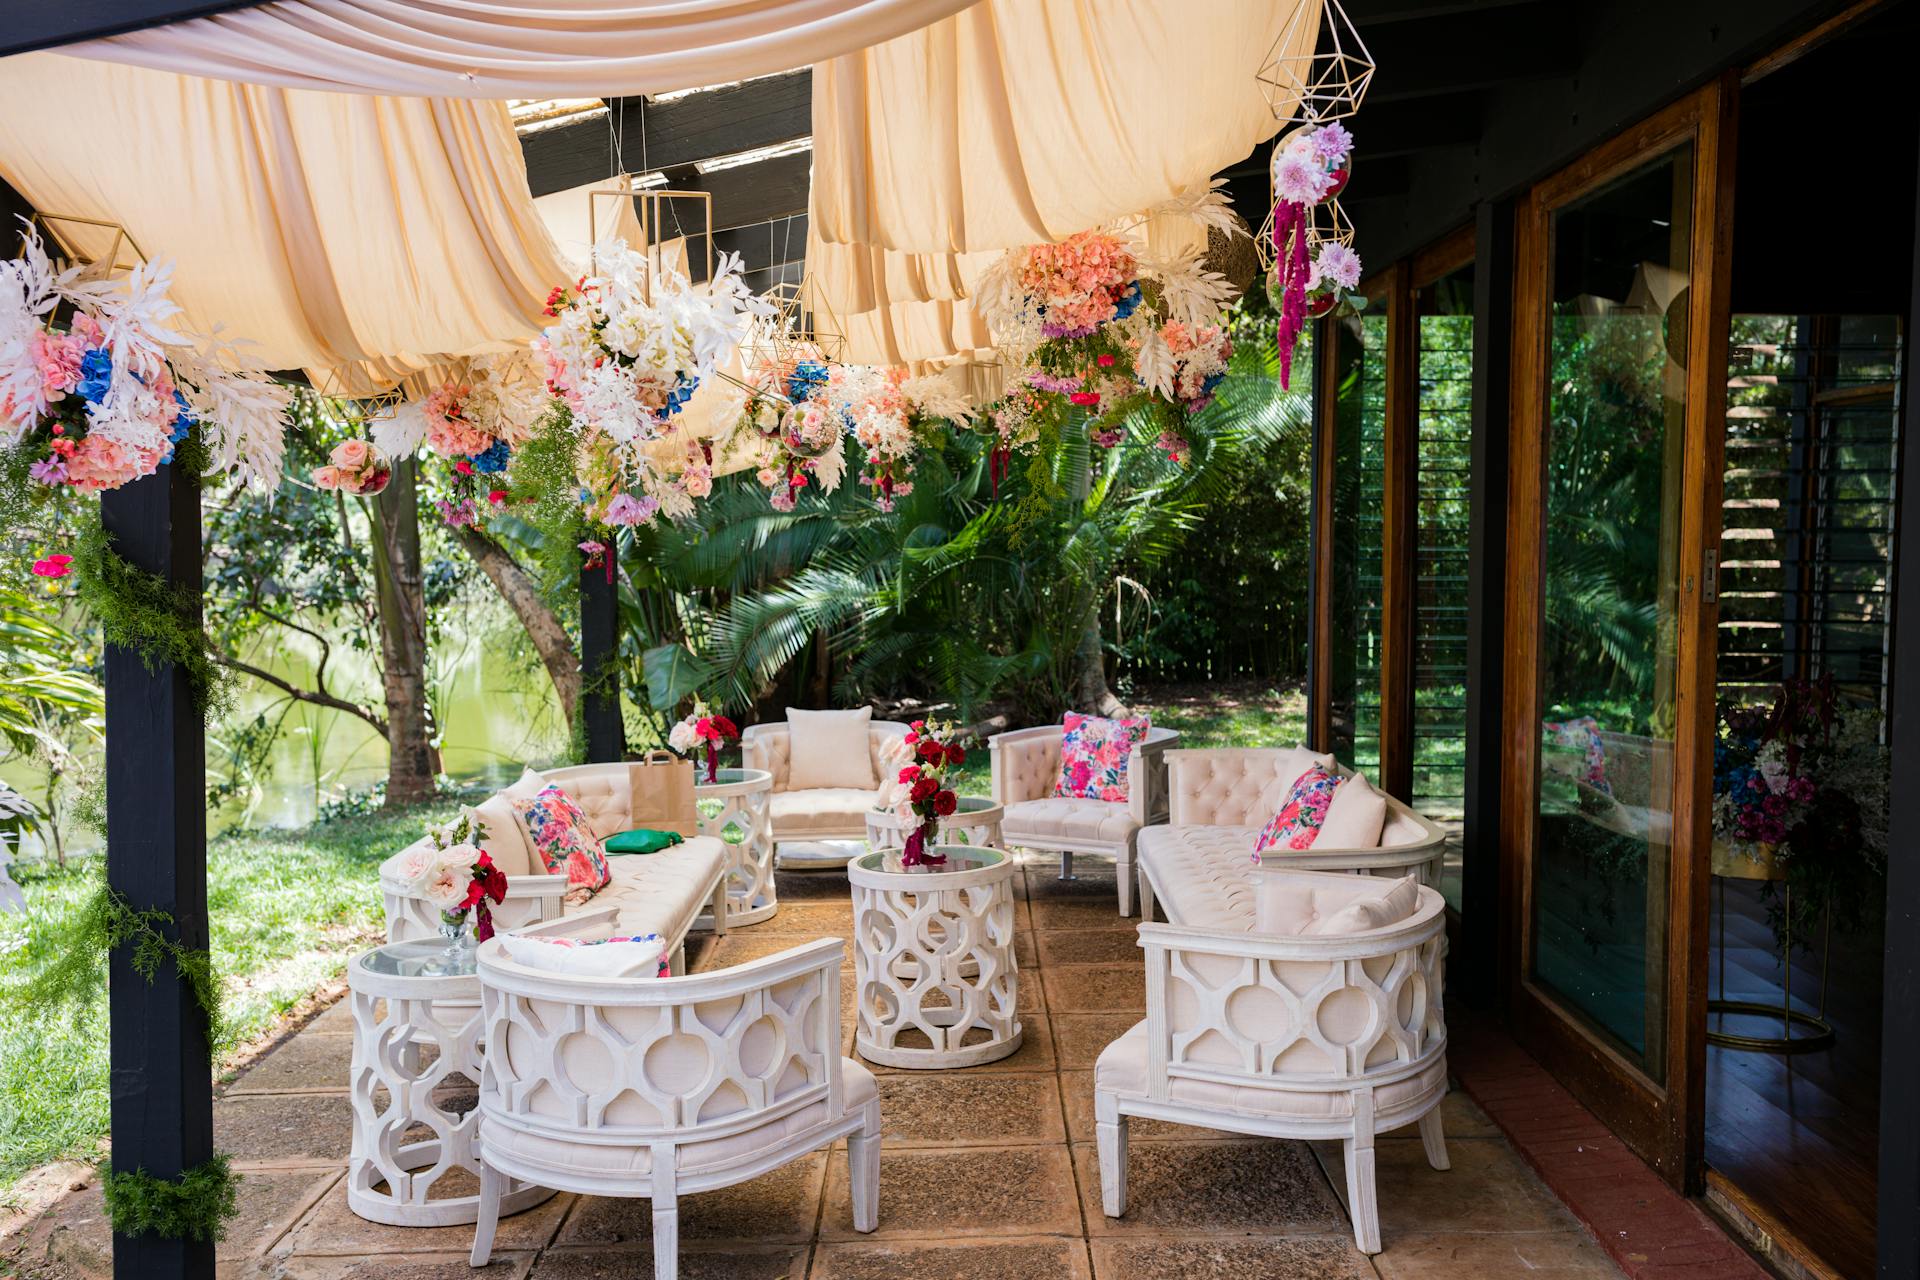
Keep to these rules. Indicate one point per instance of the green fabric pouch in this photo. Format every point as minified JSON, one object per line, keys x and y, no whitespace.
{"x":641,"y":840}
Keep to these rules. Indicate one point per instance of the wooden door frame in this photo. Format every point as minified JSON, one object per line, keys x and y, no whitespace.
{"x":1665,"y":1122}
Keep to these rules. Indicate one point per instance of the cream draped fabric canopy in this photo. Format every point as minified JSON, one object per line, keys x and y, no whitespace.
{"x":514,"y":48}
{"x":1016,"y":122}
{"x":328,"y":229}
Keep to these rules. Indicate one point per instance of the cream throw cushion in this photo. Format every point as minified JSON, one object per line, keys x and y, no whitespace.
{"x":830,"y":749}
{"x":620,"y":957}
{"x":1394,"y":902}
{"x":1354,"y":817}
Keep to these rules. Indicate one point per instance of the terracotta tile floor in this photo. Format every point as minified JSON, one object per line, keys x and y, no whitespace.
{"x":986,"y":1174}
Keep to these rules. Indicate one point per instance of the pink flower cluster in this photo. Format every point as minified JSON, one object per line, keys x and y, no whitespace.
{"x":449,"y":433}
{"x":1078,"y":282}
{"x":1200,"y":354}
{"x":354,"y":467}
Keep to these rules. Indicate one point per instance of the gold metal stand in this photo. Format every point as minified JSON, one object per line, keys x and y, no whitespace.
{"x":1818,"y":1032}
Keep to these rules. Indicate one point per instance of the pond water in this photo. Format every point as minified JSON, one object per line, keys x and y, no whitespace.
{"x":495,"y":711}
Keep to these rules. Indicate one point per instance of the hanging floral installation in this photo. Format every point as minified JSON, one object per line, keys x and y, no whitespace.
{"x":629,"y":346}
{"x":105,"y":395}
{"x":355,"y":467}
{"x":1312,"y":271}
{"x":804,"y":413}
{"x":1099,"y":327}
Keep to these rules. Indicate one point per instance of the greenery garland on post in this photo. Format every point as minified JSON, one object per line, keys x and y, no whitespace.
{"x":140,"y":611}
{"x":195,"y":1206}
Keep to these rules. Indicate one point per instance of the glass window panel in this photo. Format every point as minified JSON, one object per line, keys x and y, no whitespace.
{"x":1616,"y":409}
{"x":1359,"y":468}
{"x":1443,"y":498}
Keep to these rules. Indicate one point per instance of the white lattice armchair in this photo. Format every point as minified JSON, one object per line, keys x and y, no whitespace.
{"x":664,"y":1087}
{"x":1198,"y":865}
{"x":1026,"y":765}
{"x":800,"y":811}
{"x":1289,"y":1033}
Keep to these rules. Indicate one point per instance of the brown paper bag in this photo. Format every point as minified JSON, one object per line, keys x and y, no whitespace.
{"x":662,"y":786}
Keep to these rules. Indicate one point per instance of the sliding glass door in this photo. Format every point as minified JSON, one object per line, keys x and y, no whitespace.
{"x":1612,"y":532}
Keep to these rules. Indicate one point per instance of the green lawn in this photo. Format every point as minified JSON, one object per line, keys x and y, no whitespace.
{"x":287,"y":909}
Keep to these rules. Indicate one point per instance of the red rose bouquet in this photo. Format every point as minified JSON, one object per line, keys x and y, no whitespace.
{"x":705,"y":730}
{"x":919,"y":794}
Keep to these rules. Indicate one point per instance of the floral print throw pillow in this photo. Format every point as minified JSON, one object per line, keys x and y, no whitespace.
{"x":565,"y":843}
{"x":1301,"y":816}
{"x":1093,"y":756}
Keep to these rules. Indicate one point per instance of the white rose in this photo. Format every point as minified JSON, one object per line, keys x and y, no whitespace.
{"x":447,"y":879}
{"x":414,"y":865}
{"x":682,"y":737}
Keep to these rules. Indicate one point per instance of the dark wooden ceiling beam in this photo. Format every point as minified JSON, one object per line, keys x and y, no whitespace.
{"x":1482,"y":49}
{"x":668,"y":135}
{"x":26,"y":25}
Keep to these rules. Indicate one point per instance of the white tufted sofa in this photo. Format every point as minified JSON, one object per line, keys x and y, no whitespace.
{"x":1026,"y":765}
{"x":653,"y":893}
{"x":1287,"y":1034}
{"x":1199,"y":864}
{"x":664,"y":1087}
{"x":814,"y":813}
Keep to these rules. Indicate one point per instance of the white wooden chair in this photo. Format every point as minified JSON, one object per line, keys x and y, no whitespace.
{"x":1311,"y":1037}
{"x":1198,"y":864}
{"x":664,"y":1087}
{"x":1026,"y":764}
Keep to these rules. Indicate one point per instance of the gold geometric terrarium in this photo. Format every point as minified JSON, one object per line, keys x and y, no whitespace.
{"x":1320,"y":74}
{"x":104,"y":249}
{"x":368,"y":402}
{"x":1326,"y":221}
{"x":803,"y":327}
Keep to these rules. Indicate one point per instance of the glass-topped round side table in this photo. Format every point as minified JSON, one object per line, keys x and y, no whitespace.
{"x":933,"y":957}
{"x":737,"y":811}
{"x":394,"y":991}
{"x":975,"y":822}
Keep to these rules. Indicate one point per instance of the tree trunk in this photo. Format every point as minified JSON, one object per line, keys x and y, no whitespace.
{"x":403,"y":636}
{"x":549,"y":635}
{"x":1089,"y":691}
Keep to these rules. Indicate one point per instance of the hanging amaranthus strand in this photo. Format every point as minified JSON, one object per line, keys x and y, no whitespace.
{"x":1290,"y":261}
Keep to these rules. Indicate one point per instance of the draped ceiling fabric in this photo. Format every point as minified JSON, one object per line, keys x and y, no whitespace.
{"x":377,"y":233}
{"x":1015,"y":122}
{"x":514,"y":48}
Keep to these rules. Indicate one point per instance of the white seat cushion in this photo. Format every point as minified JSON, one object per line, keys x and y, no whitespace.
{"x":661,"y":892}
{"x":558,"y":1154}
{"x":1204,"y":875}
{"x":1308,"y":904}
{"x":1077,"y":821}
{"x":1122,"y":1068}
{"x":818,"y":809}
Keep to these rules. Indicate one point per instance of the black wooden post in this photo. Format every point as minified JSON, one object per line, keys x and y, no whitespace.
{"x":599,"y":664}
{"x":162,"y":1094}
{"x":1493,"y":267}
{"x":1899,"y":1226}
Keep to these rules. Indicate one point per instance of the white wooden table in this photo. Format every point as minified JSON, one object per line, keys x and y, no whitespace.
{"x":737,"y":811}
{"x":933,"y":956}
{"x":975,"y":822}
{"x":394,"y":990}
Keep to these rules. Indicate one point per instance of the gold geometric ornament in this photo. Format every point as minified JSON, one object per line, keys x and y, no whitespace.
{"x":803,"y":327}
{"x":1326,"y":221}
{"x":105,"y":249}
{"x":1316,"y":75}
{"x":366,"y":401}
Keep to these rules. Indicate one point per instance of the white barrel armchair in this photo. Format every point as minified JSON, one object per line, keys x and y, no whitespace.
{"x":815,"y":813}
{"x":664,"y":1087}
{"x":1198,"y":865}
{"x":1026,"y":765}
{"x":1287,"y":1036}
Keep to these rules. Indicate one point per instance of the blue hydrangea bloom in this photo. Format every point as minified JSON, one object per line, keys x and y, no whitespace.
{"x":494,"y":460}
{"x":807,"y":377}
{"x":1128,"y":303}
{"x":677,"y":398}
{"x":96,"y":375}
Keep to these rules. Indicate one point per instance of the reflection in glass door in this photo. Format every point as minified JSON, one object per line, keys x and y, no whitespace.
{"x":1359,"y":476}
{"x":1618,"y":270}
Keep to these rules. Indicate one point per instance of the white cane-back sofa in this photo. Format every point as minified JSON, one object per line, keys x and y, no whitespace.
{"x":1026,"y":765}
{"x":815,"y":813}
{"x":666,"y":1087}
{"x":1314,"y":1027}
{"x":659,"y":893}
{"x":1199,"y":867}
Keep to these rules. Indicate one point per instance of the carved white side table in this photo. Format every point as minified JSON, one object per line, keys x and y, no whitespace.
{"x":737,"y":811}
{"x":975,"y":822}
{"x":394,"y":993}
{"x":933,"y":955}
